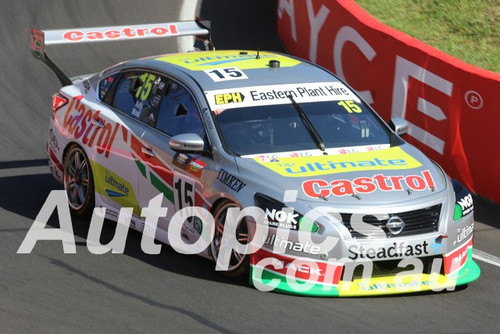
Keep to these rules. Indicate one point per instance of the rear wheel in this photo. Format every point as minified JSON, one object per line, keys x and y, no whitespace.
{"x":78,"y":182}
{"x":239,"y":264}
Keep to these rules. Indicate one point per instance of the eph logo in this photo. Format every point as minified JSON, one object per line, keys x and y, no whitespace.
{"x":226,"y":98}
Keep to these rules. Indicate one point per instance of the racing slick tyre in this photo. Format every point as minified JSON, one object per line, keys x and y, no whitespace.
{"x":78,"y":182}
{"x":239,"y":264}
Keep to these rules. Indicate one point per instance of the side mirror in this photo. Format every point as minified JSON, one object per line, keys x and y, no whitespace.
{"x":399,"y":125}
{"x":187,"y":142}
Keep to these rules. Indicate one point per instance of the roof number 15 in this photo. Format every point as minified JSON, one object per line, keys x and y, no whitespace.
{"x":228,"y":73}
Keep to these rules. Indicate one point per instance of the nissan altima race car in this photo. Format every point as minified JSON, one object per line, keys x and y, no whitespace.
{"x":344,"y":206}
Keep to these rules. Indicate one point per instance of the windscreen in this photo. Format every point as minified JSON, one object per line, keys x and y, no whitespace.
{"x":279,"y":128}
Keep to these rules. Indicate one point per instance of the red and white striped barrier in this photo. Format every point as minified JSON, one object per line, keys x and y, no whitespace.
{"x":453,"y":108}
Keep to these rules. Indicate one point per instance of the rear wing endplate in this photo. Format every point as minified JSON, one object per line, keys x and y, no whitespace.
{"x":41,"y":38}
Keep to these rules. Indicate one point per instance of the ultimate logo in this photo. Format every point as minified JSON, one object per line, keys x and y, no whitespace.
{"x":120,"y":189}
{"x":393,"y":158}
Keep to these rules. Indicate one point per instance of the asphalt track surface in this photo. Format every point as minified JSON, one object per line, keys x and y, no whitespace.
{"x":49,"y":291}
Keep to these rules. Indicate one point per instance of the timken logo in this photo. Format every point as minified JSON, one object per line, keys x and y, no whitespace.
{"x":230,"y":180}
{"x":364,"y":185}
{"x":127,"y":32}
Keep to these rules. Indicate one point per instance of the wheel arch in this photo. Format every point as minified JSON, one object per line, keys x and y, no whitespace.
{"x":68,"y":147}
{"x":220,"y":201}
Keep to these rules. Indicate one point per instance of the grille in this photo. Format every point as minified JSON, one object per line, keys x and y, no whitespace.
{"x":416,"y":222}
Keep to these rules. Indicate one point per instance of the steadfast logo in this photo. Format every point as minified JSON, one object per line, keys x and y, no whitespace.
{"x":230,"y":180}
{"x":393,"y":158}
{"x":393,"y":251}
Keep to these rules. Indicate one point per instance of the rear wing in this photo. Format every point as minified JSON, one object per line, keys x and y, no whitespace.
{"x":41,"y":38}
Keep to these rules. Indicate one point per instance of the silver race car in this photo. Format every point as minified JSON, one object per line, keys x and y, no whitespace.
{"x":321,"y":195}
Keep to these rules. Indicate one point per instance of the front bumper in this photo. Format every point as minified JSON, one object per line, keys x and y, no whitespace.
{"x":326,"y":279}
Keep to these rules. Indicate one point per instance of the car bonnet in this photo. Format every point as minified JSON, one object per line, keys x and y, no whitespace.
{"x":388,"y":175}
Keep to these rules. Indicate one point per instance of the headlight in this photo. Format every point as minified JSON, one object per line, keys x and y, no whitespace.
{"x":278,"y":215}
{"x":463,"y":200}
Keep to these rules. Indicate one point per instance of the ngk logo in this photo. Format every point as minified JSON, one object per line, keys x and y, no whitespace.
{"x":282,"y":217}
{"x":466,"y":202}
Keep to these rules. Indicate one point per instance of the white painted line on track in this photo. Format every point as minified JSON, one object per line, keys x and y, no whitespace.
{"x":187,"y":13}
{"x":20,"y":171}
{"x":485,"y":257}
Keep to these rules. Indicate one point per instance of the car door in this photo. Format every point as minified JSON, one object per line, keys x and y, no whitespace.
{"x":128,"y":95}
{"x":179,"y":176}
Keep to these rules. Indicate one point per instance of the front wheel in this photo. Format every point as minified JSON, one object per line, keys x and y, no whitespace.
{"x":78,"y":182}
{"x":239,"y":264}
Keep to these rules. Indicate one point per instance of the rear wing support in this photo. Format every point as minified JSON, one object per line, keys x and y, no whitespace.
{"x":38,"y":51}
{"x":41,"y":38}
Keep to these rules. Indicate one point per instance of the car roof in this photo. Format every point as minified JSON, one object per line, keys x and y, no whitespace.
{"x":255,"y":65}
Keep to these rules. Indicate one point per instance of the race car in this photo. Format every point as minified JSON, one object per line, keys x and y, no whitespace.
{"x":342,"y":205}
